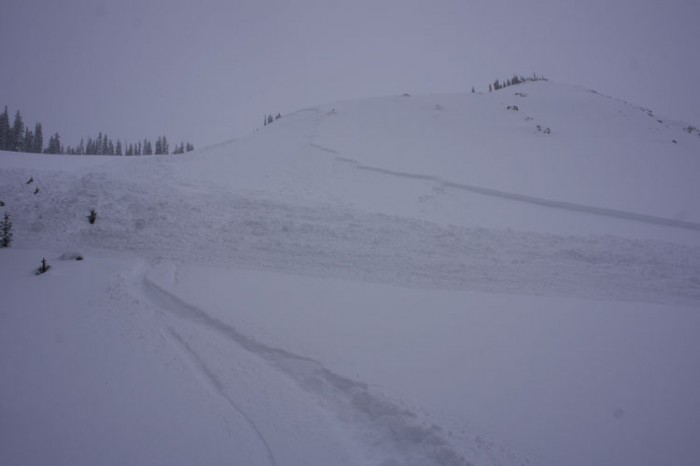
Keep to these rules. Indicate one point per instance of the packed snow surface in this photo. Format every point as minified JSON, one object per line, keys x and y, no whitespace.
{"x":507,"y":278}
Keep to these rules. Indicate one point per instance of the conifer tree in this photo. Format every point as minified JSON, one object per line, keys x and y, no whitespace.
{"x":5,"y":130}
{"x":118,"y":148}
{"x":17,"y":141}
{"x":27,"y":140}
{"x":54,"y":144}
{"x":38,"y":145}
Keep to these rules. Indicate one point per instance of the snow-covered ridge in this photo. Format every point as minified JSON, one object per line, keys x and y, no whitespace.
{"x":599,"y":152}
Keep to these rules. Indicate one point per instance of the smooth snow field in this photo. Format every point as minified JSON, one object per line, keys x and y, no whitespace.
{"x":423,"y":280}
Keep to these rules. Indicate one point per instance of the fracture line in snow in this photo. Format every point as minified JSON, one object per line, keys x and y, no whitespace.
{"x":570,"y":206}
{"x":219,"y":388}
{"x":324,"y":149}
{"x":399,"y":427}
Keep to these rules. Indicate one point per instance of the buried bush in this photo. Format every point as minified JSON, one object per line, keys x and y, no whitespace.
{"x":72,"y":256}
{"x":92,"y":217}
{"x":44,"y":267}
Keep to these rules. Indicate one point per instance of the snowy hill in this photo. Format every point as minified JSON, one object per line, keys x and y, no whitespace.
{"x":496,"y":279}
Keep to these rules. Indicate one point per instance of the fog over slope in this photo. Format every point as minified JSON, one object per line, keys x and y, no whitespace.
{"x":487,"y":279}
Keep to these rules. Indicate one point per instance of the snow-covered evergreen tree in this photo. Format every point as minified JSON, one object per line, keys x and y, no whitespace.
{"x":17,"y":134}
{"x":38,"y":145}
{"x":54,"y":146}
{"x":27,"y":140}
{"x":4,"y":130}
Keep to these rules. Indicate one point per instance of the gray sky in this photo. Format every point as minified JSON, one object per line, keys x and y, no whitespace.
{"x":208,"y":70}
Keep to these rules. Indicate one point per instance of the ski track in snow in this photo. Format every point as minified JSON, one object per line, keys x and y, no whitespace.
{"x":398,"y":434}
{"x":217,"y":386}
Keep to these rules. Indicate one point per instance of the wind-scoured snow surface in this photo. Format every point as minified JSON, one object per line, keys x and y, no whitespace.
{"x":418,"y":280}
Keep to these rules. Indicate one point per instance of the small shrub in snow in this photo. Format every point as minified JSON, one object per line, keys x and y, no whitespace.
{"x":6,"y":232}
{"x":92,"y":217}
{"x":36,"y":191}
{"x":30,"y":180}
{"x":44,"y":267}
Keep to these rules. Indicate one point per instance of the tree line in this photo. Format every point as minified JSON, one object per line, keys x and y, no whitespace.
{"x":269,"y":119}
{"x":18,"y":137}
{"x":516,"y":79}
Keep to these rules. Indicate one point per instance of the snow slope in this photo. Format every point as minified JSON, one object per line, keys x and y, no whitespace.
{"x":402,"y":280}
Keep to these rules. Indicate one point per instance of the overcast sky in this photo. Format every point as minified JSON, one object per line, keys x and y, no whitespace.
{"x":206,"y":71}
